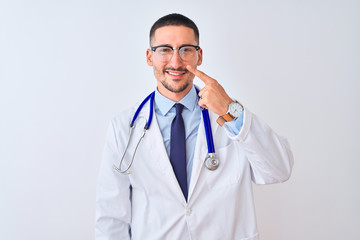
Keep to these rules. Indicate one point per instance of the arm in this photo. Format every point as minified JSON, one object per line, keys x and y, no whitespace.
{"x":113,"y":204}
{"x":269,"y":155}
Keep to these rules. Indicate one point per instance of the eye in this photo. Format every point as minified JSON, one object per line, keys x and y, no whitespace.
{"x":187,"y":49}
{"x":164,"y":50}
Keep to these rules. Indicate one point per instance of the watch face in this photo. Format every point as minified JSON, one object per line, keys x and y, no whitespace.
{"x":235,"y":109}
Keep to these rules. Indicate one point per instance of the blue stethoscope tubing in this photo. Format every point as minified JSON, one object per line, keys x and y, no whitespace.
{"x":151,"y":97}
{"x":210,"y":161}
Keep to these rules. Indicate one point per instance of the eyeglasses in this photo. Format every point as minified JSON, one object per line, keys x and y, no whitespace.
{"x":164,"y":53}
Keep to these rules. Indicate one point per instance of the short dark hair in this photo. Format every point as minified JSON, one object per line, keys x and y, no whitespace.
{"x":174,"y":19}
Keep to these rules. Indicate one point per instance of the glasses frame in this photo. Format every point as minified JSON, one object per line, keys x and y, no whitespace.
{"x":178,"y":48}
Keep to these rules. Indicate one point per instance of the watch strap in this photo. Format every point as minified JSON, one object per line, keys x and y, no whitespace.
{"x":221,"y":121}
{"x":228,"y":117}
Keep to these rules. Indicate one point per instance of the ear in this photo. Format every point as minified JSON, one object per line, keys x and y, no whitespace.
{"x":149,"y":57}
{"x":200,"y":55}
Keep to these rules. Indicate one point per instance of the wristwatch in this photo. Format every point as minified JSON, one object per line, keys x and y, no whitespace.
{"x":234,"y":111}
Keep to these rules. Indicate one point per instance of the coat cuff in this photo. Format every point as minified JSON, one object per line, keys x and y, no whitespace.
{"x":247,"y":116}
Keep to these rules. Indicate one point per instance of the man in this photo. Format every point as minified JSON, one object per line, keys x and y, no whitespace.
{"x":168,"y":192}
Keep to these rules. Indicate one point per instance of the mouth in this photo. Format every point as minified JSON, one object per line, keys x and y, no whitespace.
{"x":178,"y":73}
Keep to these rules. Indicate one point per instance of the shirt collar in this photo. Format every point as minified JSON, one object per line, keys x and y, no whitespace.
{"x":164,"y":104}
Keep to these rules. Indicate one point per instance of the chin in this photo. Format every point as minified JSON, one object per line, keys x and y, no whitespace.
{"x":177,"y":87}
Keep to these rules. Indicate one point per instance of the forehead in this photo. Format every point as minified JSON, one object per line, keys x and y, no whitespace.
{"x":174,"y":35}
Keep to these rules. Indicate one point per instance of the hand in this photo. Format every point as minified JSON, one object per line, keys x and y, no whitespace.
{"x":213,"y":95}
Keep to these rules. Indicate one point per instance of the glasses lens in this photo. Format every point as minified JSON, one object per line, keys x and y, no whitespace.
{"x":164,"y":53}
{"x":187,"y":53}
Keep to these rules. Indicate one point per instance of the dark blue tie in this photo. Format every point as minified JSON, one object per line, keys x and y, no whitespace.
{"x":178,"y":149}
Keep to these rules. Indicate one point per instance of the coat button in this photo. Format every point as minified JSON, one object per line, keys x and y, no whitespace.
{"x":188,"y":212}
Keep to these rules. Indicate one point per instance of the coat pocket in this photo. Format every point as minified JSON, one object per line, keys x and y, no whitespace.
{"x":229,"y":170}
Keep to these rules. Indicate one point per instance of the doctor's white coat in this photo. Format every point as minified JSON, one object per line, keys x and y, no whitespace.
{"x":148,"y":203}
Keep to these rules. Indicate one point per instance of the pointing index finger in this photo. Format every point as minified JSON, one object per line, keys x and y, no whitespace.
{"x":203,"y":77}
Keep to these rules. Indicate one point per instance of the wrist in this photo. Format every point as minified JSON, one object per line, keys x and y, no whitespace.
{"x":234,"y":110}
{"x":226,"y":106}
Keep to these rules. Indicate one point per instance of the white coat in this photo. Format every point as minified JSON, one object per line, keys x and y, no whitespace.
{"x":149,"y":204}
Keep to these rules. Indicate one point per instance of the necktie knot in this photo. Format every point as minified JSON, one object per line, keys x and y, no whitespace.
{"x":179,"y":107}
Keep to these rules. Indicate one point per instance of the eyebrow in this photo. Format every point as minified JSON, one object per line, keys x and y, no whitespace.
{"x":168,"y":45}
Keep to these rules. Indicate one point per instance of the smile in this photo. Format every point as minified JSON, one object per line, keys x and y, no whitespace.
{"x":176,"y":73}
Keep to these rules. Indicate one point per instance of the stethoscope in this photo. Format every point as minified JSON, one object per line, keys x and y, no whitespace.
{"x":210,"y":161}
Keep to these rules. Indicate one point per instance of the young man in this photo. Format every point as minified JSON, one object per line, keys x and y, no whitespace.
{"x":168,"y":192}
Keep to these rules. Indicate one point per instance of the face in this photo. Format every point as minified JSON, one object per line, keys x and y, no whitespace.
{"x":172,"y":77}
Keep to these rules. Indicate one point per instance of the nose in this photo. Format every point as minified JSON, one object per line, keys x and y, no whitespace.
{"x":176,"y":60}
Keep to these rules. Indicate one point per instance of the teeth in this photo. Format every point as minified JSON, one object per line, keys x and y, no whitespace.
{"x":176,"y":74}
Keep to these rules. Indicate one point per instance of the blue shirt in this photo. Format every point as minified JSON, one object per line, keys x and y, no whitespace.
{"x":165,"y":113}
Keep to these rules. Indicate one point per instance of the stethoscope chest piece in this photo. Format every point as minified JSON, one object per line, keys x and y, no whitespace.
{"x":211,"y":162}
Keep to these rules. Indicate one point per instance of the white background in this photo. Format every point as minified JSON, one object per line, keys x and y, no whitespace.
{"x":67,"y":67}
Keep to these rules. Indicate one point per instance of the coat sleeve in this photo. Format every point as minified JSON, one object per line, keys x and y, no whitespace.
{"x":113,"y":203}
{"x":269,"y":154}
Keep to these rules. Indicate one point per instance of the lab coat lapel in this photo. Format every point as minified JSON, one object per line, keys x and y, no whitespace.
{"x":158,"y":154}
